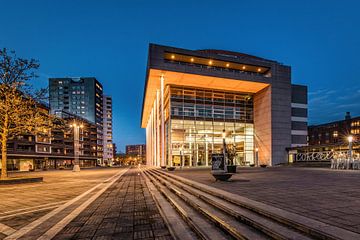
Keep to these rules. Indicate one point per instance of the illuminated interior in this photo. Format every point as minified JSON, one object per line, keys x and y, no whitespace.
{"x":191,"y":80}
{"x":197,"y":120}
{"x":185,"y":116}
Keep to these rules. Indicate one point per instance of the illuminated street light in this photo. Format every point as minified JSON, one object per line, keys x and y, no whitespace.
{"x":257,"y":157}
{"x":181,"y":156}
{"x":350,"y":140}
{"x":76,"y":127}
{"x":224,"y":149}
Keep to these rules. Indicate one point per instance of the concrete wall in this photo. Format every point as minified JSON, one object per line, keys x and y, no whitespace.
{"x":299,"y":115}
{"x":262,"y":125}
{"x":280,"y":113}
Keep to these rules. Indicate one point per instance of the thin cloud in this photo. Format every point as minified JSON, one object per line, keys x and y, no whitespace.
{"x":327,"y":105}
{"x":349,"y":105}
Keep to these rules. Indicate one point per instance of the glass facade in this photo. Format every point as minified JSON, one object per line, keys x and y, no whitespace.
{"x":195,"y":120}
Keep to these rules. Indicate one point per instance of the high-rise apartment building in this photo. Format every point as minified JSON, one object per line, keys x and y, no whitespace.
{"x":108,"y":154}
{"x":80,"y":96}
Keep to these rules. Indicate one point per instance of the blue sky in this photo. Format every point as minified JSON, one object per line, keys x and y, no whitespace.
{"x":320,"y":40}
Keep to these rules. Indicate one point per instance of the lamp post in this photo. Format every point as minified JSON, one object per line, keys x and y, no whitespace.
{"x":350,"y":140}
{"x":257,"y":157}
{"x":181,"y":157}
{"x":224,"y":150}
{"x":76,"y":128}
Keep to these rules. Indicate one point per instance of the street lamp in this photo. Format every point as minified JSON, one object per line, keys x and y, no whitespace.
{"x":224,"y":149}
{"x":350,"y":140}
{"x":181,"y":156}
{"x":76,"y":128}
{"x":257,"y":156}
{"x":224,"y":143}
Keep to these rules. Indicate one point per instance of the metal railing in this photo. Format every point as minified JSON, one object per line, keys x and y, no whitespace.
{"x":339,"y":159}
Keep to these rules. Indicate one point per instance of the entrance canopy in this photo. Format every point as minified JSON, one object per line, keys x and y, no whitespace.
{"x":191,"y":80}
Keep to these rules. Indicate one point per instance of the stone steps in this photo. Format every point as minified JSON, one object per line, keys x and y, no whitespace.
{"x":239,"y":217}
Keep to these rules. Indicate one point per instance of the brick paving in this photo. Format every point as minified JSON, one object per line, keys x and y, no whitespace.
{"x":57,"y":187}
{"x":126,"y":210}
{"x":330,"y":196}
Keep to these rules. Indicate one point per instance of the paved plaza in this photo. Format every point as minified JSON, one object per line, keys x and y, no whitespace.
{"x":330,"y":196}
{"x":94,"y":204}
{"x":23,"y":203}
{"x":125,"y":211}
{"x":115,"y":203}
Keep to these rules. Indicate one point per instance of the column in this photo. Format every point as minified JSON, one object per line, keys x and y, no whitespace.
{"x":206,"y":154}
{"x":191,"y":151}
{"x":157,"y":124}
{"x":153,"y":141}
{"x":162,"y":121}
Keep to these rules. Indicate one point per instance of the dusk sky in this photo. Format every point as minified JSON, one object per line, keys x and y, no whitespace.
{"x":109,"y":40}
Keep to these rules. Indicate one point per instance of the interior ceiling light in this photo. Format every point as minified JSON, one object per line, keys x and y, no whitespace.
{"x":227,"y":65}
{"x":259,"y":69}
{"x":243,"y":67}
{"x":173,"y":56}
{"x":210,"y":62}
{"x":191,"y":59}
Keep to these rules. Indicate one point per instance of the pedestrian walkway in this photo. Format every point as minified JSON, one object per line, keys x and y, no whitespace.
{"x":126,"y":210}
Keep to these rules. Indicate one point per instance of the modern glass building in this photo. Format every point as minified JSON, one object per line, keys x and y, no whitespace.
{"x":194,"y":99}
{"x":198,"y":119}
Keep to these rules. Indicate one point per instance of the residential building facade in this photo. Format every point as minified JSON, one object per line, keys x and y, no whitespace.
{"x":81,"y":96}
{"x":108,"y":153}
{"x":138,"y":151}
{"x":54,"y":149}
{"x":335,"y":133}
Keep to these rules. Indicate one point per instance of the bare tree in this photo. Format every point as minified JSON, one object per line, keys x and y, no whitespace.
{"x":20,"y":111}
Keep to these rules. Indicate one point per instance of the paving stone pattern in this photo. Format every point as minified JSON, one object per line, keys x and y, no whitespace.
{"x":124,"y":211}
{"x":330,"y":196}
{"x":57,"y":188}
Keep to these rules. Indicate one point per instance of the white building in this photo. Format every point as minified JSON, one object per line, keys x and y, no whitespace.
{"x":107,"y":130}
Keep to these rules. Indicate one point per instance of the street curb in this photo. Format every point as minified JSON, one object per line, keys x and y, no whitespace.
{"x":20,"y":180}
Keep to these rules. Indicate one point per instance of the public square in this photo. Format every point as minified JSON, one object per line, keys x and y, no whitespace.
{"x":179,"y":120}
{"x":122,"y":207}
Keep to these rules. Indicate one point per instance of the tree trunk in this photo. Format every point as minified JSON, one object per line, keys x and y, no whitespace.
{"x":4,"y":137}
{"x":3,"y":156}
